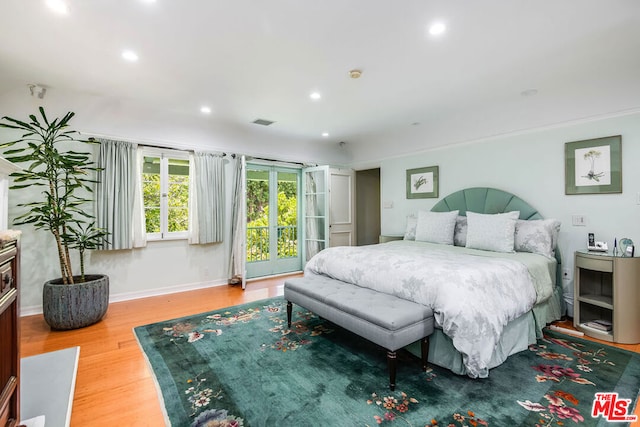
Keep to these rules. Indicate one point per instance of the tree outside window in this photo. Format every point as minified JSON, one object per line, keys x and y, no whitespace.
{"x":165,"y":185}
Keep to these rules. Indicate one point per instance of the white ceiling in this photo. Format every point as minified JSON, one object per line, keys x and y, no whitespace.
{"x":250,"y":59}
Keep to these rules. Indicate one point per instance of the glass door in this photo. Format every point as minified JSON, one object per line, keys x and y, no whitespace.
{"x":315,"y":183}
{"x":272,"y":220}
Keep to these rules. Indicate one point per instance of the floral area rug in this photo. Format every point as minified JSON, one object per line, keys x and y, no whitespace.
{"x":242,"y":366}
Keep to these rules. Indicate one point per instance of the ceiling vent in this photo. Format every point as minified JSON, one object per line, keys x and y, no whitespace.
{"x":263,"y":122}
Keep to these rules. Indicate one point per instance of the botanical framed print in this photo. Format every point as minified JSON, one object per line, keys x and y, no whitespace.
{"x":422,"y":183}
{"x":593,"y":166}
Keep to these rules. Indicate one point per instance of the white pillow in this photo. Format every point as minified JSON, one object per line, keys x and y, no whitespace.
{"x":460,"y":233}
{"x":538,"y":236}
{"x":492,"y":232}
{"x":436,"y":227}
{"x":410,"y":231}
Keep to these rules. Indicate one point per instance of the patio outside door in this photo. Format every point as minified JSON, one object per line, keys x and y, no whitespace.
{"x":272,"y":220}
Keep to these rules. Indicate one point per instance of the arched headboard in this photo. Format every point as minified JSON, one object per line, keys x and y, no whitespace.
{"x":486,"y":200}
{"x":491,"y":201}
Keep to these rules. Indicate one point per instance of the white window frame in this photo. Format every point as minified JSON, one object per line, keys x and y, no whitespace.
{"x":164,"y":155}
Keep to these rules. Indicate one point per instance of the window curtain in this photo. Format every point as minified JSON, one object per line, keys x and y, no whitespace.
{"x":206,"y":198}
{"x":237,"y":251}
{"x":119,"y":208}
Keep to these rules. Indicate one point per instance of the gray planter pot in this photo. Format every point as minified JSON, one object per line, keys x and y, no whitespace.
{"x":75,"y":306}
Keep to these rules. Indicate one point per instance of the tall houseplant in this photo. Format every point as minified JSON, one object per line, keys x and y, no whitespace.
{"x":66,"y":178}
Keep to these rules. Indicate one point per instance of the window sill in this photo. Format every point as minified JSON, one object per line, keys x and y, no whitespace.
{"x":167,"y":238}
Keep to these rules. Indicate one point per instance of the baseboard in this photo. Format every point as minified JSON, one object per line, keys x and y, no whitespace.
{"x":127,"y":296}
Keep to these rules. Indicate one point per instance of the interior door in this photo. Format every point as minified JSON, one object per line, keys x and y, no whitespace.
{"x":342,"y":229}
{"x":272,"y":220}
{"x":329,"y":208}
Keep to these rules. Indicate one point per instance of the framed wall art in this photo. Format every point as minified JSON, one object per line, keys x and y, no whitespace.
{"x":422,"y":183}
{"x":593,"y":166}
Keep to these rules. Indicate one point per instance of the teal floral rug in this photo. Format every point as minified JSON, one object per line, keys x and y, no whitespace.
{"x":242,"y":366}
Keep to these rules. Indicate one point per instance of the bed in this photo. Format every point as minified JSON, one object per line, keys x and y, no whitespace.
{"x":488,"y":302}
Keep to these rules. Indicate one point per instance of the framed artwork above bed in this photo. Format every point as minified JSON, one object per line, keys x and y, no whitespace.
{"x":422,"y":183}
{"x":593,"y":166}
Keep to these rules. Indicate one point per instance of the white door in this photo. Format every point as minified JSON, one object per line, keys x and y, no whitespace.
{"x":342,"y":230}
{"x":329,"y":209}
{"x":315,"y":188}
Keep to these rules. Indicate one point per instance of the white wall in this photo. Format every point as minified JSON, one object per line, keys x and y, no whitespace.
{"x":531,"y":166}
{"x":161,"y":266}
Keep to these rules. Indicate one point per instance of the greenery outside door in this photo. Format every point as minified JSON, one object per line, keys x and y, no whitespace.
{"x":273,"y":244}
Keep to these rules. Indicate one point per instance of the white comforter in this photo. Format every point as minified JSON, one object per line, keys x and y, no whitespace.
{"x":473,"y":294}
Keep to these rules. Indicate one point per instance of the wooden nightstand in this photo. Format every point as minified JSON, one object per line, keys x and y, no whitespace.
{"x":385,"y":239}
{"x":607,"y":289}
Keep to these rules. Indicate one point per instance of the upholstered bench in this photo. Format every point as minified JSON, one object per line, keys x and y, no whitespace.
{"x":383,"y":319}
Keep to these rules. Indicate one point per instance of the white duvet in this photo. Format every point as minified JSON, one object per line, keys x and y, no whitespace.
{"x":473,"y":294}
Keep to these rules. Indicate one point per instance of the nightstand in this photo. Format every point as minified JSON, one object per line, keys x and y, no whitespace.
{"x":385,"y":239}
{"x":607,"y":292}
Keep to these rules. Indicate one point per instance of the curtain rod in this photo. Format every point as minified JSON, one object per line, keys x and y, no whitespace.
{"x":146,"y":143}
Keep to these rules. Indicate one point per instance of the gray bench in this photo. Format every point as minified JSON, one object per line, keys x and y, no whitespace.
{"x":383,"y":319}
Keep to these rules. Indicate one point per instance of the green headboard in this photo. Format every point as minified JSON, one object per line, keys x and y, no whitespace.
{"x":491,"y":201}
{"x":486,"y":200}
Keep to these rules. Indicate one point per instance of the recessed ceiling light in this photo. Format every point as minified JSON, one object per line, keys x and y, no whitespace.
{"x":205,"y":110}
{"x":130,"y":55}
{"x":437,"y":28}
{"x":58,"y":6}
{"x":325,"y":134}
{"x":315,"y":96}
{"x":148,"y":1}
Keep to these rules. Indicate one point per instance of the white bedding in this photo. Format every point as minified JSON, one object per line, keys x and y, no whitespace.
{"x":472,"y":293}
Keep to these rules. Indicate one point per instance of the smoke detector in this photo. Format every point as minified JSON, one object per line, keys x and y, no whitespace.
{"x":355,"y":74}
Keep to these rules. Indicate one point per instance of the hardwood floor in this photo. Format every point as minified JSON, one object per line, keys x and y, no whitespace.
{"x":114,"y":385}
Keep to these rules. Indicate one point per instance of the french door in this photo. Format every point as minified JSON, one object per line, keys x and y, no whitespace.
{"x":273,"y":209}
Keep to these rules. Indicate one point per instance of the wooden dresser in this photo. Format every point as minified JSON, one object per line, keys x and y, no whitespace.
{"x":9,"y":329}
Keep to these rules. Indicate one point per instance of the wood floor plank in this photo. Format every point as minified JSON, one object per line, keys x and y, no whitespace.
{"x":114,"y":385}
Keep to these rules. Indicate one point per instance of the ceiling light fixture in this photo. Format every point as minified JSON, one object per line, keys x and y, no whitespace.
{"x":130,"y":55}
{"x":315,"y":96}
{"x":325,"y":134}
{"x":58,"y":6}
{"x":205,"y":110}
{"x":355,"y":74}
{"x":437,"y":28}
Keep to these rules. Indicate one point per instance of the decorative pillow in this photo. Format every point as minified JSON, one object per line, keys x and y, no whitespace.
{"x":410,"y":232}
{"x":492,"y":232}
{"x":539,"y":236}
{"x":460,"y":233}
{"x":436,"y":227}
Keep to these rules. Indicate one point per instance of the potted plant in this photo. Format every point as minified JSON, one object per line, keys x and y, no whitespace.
{"x":66,"y":177}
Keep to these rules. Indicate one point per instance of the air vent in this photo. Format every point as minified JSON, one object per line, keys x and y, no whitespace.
{"x":263,"y":122}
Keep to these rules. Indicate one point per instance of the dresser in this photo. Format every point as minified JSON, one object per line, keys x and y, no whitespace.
{"x":9,"y":329}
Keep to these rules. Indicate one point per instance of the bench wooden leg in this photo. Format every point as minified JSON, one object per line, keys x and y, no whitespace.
{"x":424,"y":346}
{"x":392,"y":362}
{"x":289,"y":311}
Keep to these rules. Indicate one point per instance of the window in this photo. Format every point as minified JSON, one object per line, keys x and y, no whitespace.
{"x":165,"y":185}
